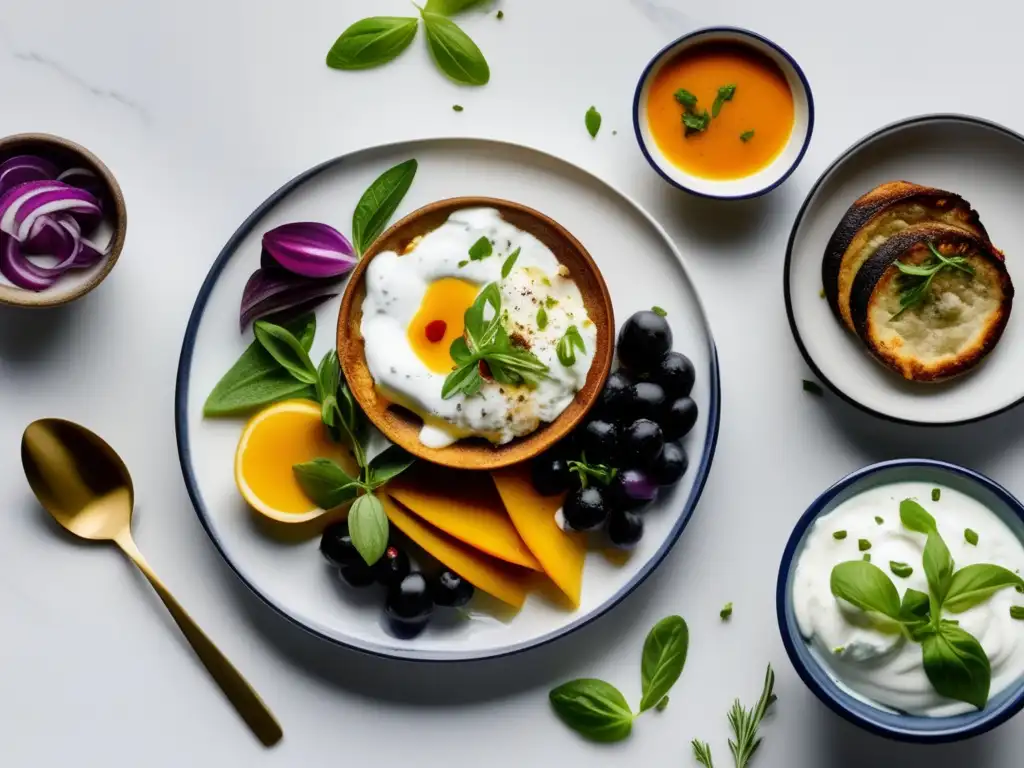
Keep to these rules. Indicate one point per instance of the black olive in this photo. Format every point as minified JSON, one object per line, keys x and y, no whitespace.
{"x":631,"y":489}
{"x":451,"y":590}
{"x":585,"y":510}
{"x":613,"y":403}
{"x":643,"y":340}
{"x":408,"y":606}
{"x":646,"y":401}
{"x":642,"y":443}
{"x":358,"y":575}
{"x":392,"y":567}
{"x":550,"y":474}
{"x":676,"y":374}
{"x":336,"y":546}
{"x":625,"y":529}
{"x":670,"y":465}
{"x":679,"y":418}
{"x":599,"y":440}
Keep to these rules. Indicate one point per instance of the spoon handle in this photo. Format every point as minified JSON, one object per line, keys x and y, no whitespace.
{"x":245,"y":700}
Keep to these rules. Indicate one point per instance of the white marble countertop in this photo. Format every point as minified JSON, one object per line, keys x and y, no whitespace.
{"x":202,"y":108}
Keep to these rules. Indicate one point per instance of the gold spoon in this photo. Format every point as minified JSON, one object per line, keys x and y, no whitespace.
{"x":83,"y":483}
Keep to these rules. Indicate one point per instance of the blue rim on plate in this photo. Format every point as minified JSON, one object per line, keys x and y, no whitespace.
{"x":185,"y":459}
{"x":638,"y":132}
{"x":787,"y":264}
{"x":912,"y":728}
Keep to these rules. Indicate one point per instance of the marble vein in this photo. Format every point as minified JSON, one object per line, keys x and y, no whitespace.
{"x":663,"y":15}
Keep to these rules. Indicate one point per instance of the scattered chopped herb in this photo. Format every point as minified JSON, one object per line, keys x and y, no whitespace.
{"x":900,"y":569}
{"x":879,"y":520}
{"x":615,"y":133}
{"x":687,"y":99}
{"x":821,"y":293}
{"x":500,"y":15}
{"x":726,"y":611}
{"x":866,"y":558}
{"x":457,"y":107}
{"x":838,"y":650}
{"x":696,"y":123}
{"x":863,"y":545}
{"x":1017,"y":612}
{"x":725,"y":93}
{"x":593,"y":122}
{"x":839,"y":535}
{"x":936,"y":494}
{"x":659,"y":311}
{"x":662,"y":705}
{"x":542,"y":318}
{"x":550,"y":302}
{"x":971,"y":537}
{"x":481,"y":249}
{"x":813,"y":388}
{"x":510,"y":262}
{"x":463,"y":263}
{"x":746,"y":136}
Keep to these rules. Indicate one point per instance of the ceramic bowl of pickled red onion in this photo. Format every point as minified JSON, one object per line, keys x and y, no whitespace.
{"x":62,"y":220}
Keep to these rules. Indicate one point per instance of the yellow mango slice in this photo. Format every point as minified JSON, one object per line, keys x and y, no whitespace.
{"x":503,"y":581}
{"x":560,"y":553}
{"x":464,"y":505}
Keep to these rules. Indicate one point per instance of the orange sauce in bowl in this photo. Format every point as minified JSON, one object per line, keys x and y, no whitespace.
{"x":762,"y":103}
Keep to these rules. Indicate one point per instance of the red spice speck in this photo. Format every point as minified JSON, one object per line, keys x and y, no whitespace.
{"x":485,"y":370}
{"x":435,"y":331}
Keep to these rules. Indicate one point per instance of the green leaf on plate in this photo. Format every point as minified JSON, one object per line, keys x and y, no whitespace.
{"x":287,"y":350}
{"x":368,"y":527}
{"x":379,"y":203}
{"x":325,"y":483}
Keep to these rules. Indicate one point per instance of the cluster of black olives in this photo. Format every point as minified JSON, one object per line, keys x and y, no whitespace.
{"x":411,"y":596}
{"x":643,"y":411}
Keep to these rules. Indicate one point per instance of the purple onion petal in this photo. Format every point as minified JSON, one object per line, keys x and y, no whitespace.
{"x":310,"y":249}
{"x":12,"y":200}
{"x":76,"y":202}
{"x":19,"y":270}
{"x":271,"y":291}
{"x":24,"y":168}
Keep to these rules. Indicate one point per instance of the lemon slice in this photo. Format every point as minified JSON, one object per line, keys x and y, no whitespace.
{"x":275,"y":439}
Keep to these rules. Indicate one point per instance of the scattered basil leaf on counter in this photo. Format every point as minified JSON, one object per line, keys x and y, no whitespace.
{"x":702,"y":753}
{"x":567,"y":346}
{"x":372,"y":42}
{"x":542,"y":318}
{"x":1017,"y":612}
{"x":325,"y":483}
{"x":971,"y":537}
{"x":900,"y":569}
{"x":956,"y":664}
{"x":866,"y":586}
{"x":594,"y":709}
{"x":936,"y":494}
{"x":593,"y":122}
{"x":663,"y":659}
{"x":662,"y":705}
{"x":726,"y":612}
{"x":746,"y":136}
{"x":368,"y":526}
{"x":454,"y":51}
{"x":687,"y":99}
{"x":287,"y":351}
{"x":863,"y":545}
{"x":510,"y":262}
{"x":879,"y":520}
{"x":813,"y":388}
{"x":974,"y":584}
{"x":659,"y":311}
{"x":379,"y":203}
{"x":500,"y":15}
{"x":457,"y":107}
{"x":481,"y":249}
{"x":725,"y":93}
{"x":387,"y":465}
{"x":257,"y":379}
{"x":839,"y":535}
{"x":449,"y":7}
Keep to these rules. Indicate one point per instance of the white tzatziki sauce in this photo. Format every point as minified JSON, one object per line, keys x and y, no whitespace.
{"x":887,"y":669}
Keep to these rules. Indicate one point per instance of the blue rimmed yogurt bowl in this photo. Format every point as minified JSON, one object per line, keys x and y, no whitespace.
{"x":764,"y":180}
{"x":809,"y":664}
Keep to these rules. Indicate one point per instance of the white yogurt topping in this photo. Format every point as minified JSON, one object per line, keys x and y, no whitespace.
{"x":887,"y":669}
{"x":395,"y":287}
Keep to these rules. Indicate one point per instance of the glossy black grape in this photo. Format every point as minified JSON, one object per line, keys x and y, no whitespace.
{"x":613,"y":404}
{"x":392,"y":567}
{"x":586,"y":509}
{"x":631,"y":489}
{"x":409,"y":605}
{"x":625,"y":529}
{"x":642,"y":442}
{"x":550,"y":474}
{"x":599,"y":440}
{"x":675,"y":373}
{"x":670,"y":465}
{"x":451,"y":590}
{"x":679,"y":418}
{"x":646,"y":401}
{"x":336,"y":546}
{"x":358,"y":575}
{"x":643,"y":340}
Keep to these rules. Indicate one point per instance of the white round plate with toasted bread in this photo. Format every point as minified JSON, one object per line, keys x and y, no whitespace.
{"x":952,"y":351}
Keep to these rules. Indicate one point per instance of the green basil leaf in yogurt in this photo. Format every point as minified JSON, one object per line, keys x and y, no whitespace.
{"x":915,"y":517}
{"x":372,"y":42}
{"x":956,"y":664}
{"x":938,"y":566}
{"x":866,"y":586}
{"x":974,"y":584}
{"x":664,"y":656}
{"x":593,"y":708}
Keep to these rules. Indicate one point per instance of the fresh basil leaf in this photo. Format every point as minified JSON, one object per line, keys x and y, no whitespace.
{"x":903,"y":570}
{"x":465,"y":379}
{"x":481,"y":249}
{"x":867,"y":587}
{"x":915,"y":607}
{"x":372,"y":42}
{"x":388,"y":464}
{"x":459,"y":351}
{"x":329,"y":373}
{"x":510,"y":262}
{"x":663,"y":659}
{"x":368,"y":527}
{"x":379,"y":203}
{"x":956,"y":665}
{"x":594,"y":709}
{"x":256,"y":379}
{"x":567,"y":346}
{"x":593,"y":122}
{"x":287,"y":350}
{"x":481,"y":332}
{"x":974,"y":584}
{"x":325,"y":483}
{"x":329,"y":412}
{"x":938,"y":566}
{"x":449,"y":7}
{"x":454,"y":52}
{"x":915,"y":517}
{"x":687,"y":99}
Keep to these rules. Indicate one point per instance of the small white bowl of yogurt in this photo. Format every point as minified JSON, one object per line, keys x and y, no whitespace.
{"x":847,"y":583}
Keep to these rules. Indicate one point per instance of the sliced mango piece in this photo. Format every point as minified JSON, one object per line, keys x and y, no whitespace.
{"x":503,"y":581}
{"x":560,"y":553}
{"x":466,"y":506}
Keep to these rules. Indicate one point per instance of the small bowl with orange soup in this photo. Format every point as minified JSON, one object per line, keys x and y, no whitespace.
{"x":723,"y":113}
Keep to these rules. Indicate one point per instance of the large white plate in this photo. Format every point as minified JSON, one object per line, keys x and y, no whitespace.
{"x":642,"y":268}
{"x":979,"y":160}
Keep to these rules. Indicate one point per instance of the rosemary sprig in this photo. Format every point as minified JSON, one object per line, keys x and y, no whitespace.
{"x":917,"y":279}
{"x":744,"y":723}
{"x":702,"y":753}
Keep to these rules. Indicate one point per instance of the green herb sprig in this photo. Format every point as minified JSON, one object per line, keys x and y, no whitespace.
{"x":744,"y":724}
{"x":379,"y":203}
{"x":725,"y":93}
{"x":600,"y":473}
{"x":916,"y":279}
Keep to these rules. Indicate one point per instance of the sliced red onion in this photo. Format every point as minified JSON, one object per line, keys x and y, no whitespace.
{"x":27,"y":208}
{"x":19,"y":270}
{"x":48,"y":237}
{"x":272,"y":291}
{"x":638,"y":485}
{"x":88,"y":255}
{"x":310,"y":249}
{"x":86,"y":179}
{"x":25,"y":168}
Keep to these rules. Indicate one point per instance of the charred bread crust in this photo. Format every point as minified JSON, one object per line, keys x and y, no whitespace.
{"x":876,"y":280}
{"x":851,"y":234}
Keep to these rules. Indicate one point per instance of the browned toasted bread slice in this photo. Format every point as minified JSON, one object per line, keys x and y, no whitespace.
{"x":875,"y":217}
{"x":959,"y":315}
